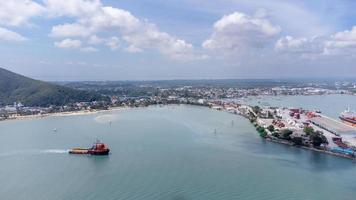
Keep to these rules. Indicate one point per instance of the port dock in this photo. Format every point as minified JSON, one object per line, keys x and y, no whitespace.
{"x":334,"y":126}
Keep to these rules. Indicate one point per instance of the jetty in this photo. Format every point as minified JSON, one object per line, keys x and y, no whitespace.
{"x":308,"y":129}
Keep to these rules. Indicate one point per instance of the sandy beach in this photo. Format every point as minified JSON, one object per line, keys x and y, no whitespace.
{"x":65,"y":114}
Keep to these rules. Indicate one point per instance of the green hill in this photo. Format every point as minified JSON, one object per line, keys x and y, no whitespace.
{"x":30,"y":92}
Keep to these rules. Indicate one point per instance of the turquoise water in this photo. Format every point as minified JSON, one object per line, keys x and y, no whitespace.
{"x":168,"y":153}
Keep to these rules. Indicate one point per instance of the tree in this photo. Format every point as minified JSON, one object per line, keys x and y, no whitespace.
{"x":270,"y":128}
{"x":297,"y":140}
{"x":256,"y":109}
{"x":324,"y":139}
{"x":318,"y":138}
{"x":263,"y":134}
{"x":308,"y":130}
{"x":275,"y":134}
{"x":286,"y":134}
{"x":260,"y":129}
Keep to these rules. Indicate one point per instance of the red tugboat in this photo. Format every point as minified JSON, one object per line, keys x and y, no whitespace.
{"x":348,"y":117}
{"x":98,"y":148}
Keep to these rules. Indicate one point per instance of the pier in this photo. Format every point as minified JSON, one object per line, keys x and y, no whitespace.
{"x":288,"y":126}
{"x":334,"y":126}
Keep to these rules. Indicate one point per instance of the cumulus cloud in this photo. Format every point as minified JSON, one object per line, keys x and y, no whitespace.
{"x":95,"y":40}
{"x":71,"y":8}
{"x":74,"y":44}
{"x":18,"y":12}
{"x":8,"y":35}
{"x":338,"y":44}
{"x":70,"y":30}
{"x":92,"y":18}
{"x":343,"y":42}
{"x":306,"y":47}
{"x":163,"y":42}
{"x":95,"y":24}
{"x":69,"y":43}
{"x":238,"y":32}
{"x":290,"y":43}
{"x":113,"y":43}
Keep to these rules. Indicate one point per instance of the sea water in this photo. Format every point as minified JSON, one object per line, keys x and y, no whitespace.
{"x":167,"y":153}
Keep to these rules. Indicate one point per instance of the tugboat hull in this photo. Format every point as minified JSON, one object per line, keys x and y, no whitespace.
{"x":99,"y":153}
{"x":98,"y":149}
{"x":78,"y":151}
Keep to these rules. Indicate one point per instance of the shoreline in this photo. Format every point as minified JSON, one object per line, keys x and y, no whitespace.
{"x":79,"y":113}
{"x":309,"y":148}
{"x":63,"y":114}
{"x":88,"y":112}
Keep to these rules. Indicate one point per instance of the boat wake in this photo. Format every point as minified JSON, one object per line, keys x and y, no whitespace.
{"x":33,"y":152}
{"x":58,"y":151}
{"x":102,"y":119}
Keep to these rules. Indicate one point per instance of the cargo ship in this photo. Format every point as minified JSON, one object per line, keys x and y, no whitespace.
{"x":348,"y":117}
{"x":98,"y":148}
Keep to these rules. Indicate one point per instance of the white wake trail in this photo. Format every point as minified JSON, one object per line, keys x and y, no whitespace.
{"x":34,"y":152}
{"x":58,"y":151}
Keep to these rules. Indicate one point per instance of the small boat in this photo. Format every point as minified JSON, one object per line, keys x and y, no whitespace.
{"x":348,"y":117}
{"x":98,"y":148}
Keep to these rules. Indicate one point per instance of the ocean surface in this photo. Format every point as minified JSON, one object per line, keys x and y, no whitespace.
{"x":330,"y":105}
{"x":168,"y":153}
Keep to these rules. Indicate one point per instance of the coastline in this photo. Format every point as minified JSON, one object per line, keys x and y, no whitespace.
{"x":309,"y":148}
{"x":86,"y":112}
{"x":249,"y":114}
{"x":64,"y":114}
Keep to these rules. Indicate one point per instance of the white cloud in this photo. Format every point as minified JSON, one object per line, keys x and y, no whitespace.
{"x":113,"y":43}
{"x":69,"y":43}
{"x":133,"y":49}
{"x":89,"y":49}
{"x":92,"y":18}
{"x":238,"y":32}
{"x":347,"y":35}
{"x":296,"y":17}
{"x":70,"y":30}
{"x":117,"y":18}
{"x":18,"y":12}
{"x":341,"y":43}
{"x":95,"y":40}
{"x":151,"y":37}
{"x":71,"y":8}
{"x":288,"y":42}
{"x":338,"y":44}
{"x":306,"y":47}
{"x":8,"y":35}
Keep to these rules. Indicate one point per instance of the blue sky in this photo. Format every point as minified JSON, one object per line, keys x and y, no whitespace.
{"x":178,"y":39}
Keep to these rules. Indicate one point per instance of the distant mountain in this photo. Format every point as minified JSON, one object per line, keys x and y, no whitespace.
{"x":30,"y":92}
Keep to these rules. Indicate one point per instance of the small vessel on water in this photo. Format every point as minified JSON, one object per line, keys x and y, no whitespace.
{"x":98,"y":148}
{"x":349,"y":117}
